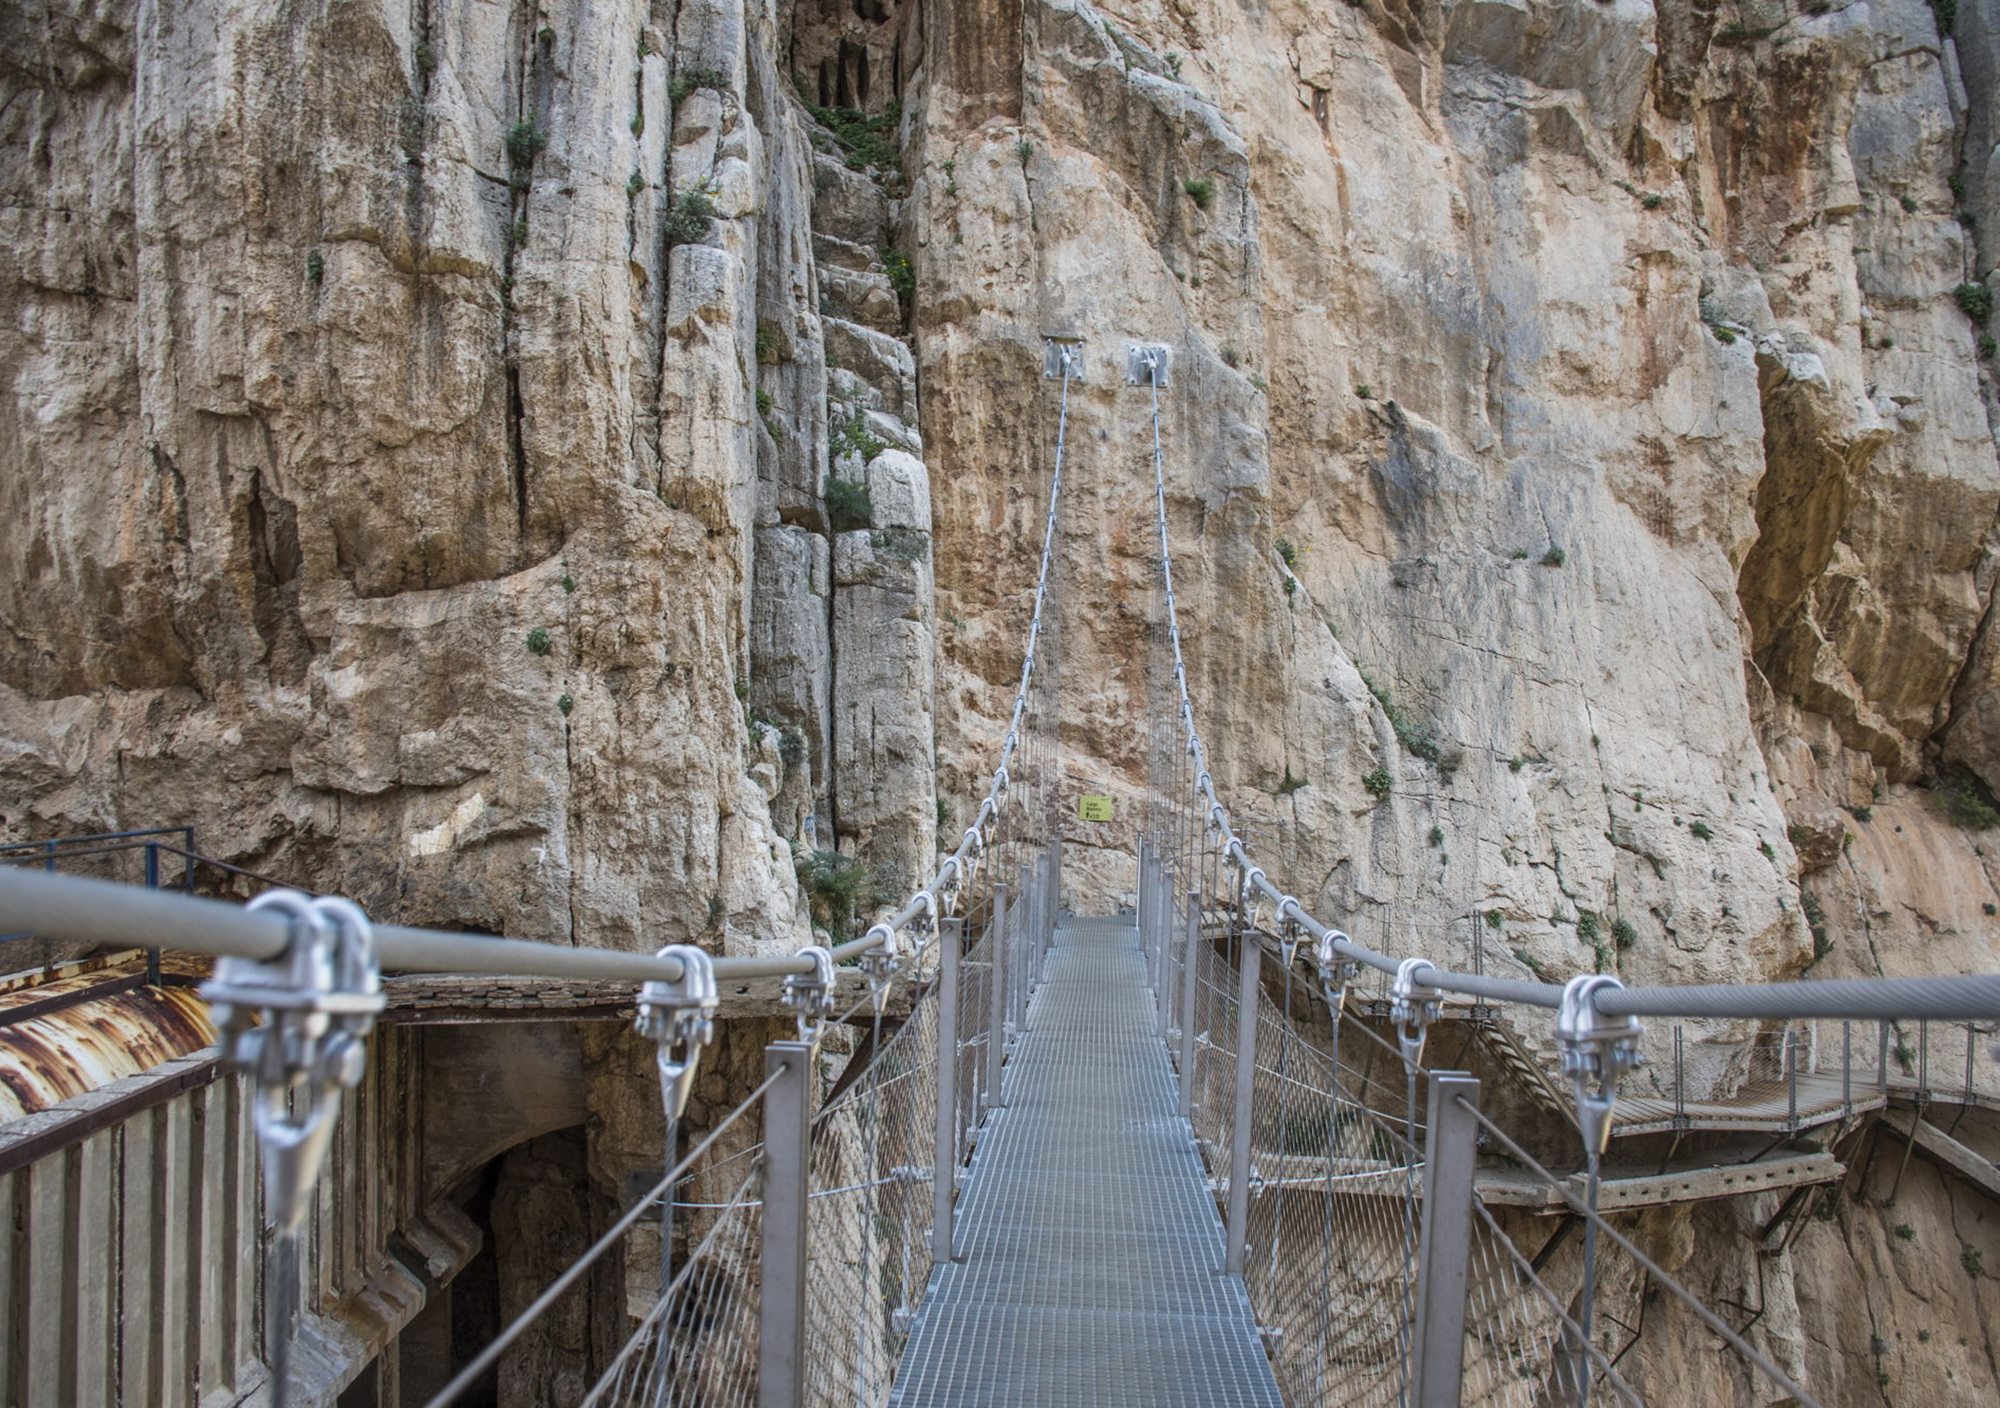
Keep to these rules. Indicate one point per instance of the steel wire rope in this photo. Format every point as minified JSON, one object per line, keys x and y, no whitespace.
{"x":667,"y":1297}
{"x":1646,"y":1263}
{"x":555,"y":1289}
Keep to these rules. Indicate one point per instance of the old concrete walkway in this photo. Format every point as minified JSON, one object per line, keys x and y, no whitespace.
{"x":1090,"y":1252}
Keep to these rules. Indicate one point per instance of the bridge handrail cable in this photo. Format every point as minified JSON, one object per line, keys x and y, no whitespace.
{"x":1971,"y":997}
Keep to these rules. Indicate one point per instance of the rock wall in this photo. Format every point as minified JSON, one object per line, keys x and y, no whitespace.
{"x":523,"y":466}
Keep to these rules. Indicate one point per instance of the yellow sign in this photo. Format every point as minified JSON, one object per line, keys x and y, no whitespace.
{"x":1093,"y":808}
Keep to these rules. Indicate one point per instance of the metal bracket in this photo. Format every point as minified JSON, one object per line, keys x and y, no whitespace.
{"x":1413,"y":1006}
{"x":1148,"y":364}
{"x":1596,"y":1051}
{"x":810,"y":996}
{"x":1336,"y":974}
{"x":679,"y":1018}
{"x":1058,"y":348}
{"x":318,"y":1001}
{"x":1290,"y":935}
{"x":1251,"y":899}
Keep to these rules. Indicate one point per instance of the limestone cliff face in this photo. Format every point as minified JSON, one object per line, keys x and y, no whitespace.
{"x":517,"y":465}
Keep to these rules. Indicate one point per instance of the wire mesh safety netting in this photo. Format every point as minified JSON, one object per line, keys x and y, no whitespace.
{"x":698,"y":1346}
{"x":1336,"y":1208}
{"x":869,"y":1216}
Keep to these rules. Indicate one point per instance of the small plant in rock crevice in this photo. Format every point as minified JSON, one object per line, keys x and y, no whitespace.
{"x":1623,"y":934}
{"x":836,"y":887}
{"x":525,"y":142}
{"x":315,"y":266}
{"x":850,"y":435}
{"x":1379,"y":783}
{"x":1290,"y":784}
{"x":902,"y":276}
{"x":900,"y":544}
{"x":1024,"y":150}
{"x":1200,"y":190}
{"x":1701,"y":831}
{"x":1554,"y":557}
{"x":1975,"y":300}
{"x":564,"y":703}
{"x":538,"y":641}
{"x":694,"y":77}
{"x":1965,"y":803}
{"x":1287,"y":553}
{"x":848,"y":506}
{"x":861,"y":141}
{"x":688,"y":217}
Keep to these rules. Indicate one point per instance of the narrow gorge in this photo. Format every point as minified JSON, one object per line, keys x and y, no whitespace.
{"x":576,"y":472}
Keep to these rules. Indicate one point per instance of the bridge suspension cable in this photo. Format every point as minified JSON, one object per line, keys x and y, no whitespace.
{"x":1597,"y":1032}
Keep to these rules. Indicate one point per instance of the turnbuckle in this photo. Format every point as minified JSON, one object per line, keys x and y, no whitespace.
{"x":1413,"y":1006}
{"x":1596,"y":1051}
{"x":810,"y":996}
{"x":679,"y":1018}
{"x":317,"y":1003}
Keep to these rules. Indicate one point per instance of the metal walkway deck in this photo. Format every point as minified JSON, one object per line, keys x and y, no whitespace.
{"x":1090,"y":1252}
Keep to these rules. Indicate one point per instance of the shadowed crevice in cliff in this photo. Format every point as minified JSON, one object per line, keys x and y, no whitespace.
{"x":1815,"y":450}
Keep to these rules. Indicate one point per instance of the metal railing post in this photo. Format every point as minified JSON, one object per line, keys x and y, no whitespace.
{"x":1438,"y":1337}
{"x":1188,"y":971}
{"x":1145,"y":905}
{"x":1055,"y":886}
{"x":1847,"y":1068}
{"x":996,"y":997}
{"x":1237,"y":1252}
{"x":782,"y":1259}
{"x":1023,"y":933}
{"x":153,"y":883}
{"x":1680,"y":1081}
{"x":1791,"y":1080}
{"x":944,"y":1157}
{"x":1055,"y":889}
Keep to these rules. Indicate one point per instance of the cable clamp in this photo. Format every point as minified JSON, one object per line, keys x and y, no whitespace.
{"x":679,"y":1019}
{"x":1289,"y":937}
{"x":1596,"y":1051}
{"x":1336,"y":973}
{"x":810,"y":995}
{"x":879,"y":965}
{"x":298,"y":1024}
{"x":1413,"y":1006}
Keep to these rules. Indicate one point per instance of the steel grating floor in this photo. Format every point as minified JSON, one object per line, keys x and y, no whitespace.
{"x":1090,"y":1251}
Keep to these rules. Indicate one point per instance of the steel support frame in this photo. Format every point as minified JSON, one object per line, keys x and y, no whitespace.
{"x":781,"y":1325}
{"x":1187,"y":995}
{"x":1236,"y":1253}
{"x":1445,"y":1246}
{"x":996,"y":993}
{"x":944,"y":1153}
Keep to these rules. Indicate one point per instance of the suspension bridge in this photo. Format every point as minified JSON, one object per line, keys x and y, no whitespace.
{"x":1199,"y":1154}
